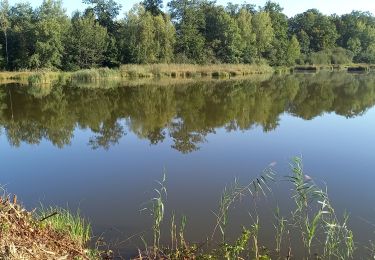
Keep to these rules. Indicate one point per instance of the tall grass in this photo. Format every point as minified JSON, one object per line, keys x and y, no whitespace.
{"x":191,"y":70}
{"x":64,"y":221}
{"x":314,"y":211}
{"x":322,"y":232}
{"x":156,"y":208}
{"x":94,"y":75}
{"x":235,"y":192}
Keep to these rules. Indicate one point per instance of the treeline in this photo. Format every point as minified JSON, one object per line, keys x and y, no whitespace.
{"x":191,"y":31}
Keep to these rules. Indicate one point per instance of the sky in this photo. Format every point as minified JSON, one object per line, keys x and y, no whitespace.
{"x":291,"y":7}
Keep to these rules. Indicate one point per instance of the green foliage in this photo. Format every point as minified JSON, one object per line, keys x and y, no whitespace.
{"x":153,"y":6}
{"x":157,"y":208}
{"x":63,"y":220}
{"x":222,"y":34}
{"x":105,"y":11}
{"x":247,"y":44}
{"x":331,"y":56}
{"x":189,"y":22}
{"x":86,"y":43}
{"x":22,"y":37}
{"x":150,"y":38}
{"x":293,"y":51}
{"x":50,"y":29}
{"x":314,"y":212}
{"x":314,"y":30}
{"x":262,"y":26}
{"x":5,"y":25}
{"x":194,"y":31}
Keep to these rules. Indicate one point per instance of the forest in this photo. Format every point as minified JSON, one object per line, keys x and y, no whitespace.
{"x":183,"y":31}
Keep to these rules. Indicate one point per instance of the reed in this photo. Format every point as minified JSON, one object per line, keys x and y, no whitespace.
{"x":314,"y":212}
{"x":156,"y":207}
{"x":192,"y":71}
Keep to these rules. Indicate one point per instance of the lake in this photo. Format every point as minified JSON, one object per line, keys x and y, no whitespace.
{"x":102,"y":149}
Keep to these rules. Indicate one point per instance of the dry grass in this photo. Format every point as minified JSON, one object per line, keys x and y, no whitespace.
{"x":24,"y":237}
{"x":191,"y":70}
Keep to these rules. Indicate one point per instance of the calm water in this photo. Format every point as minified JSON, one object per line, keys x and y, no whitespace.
{"x":102,"y":149}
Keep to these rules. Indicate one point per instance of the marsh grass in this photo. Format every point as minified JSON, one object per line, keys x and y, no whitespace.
{"x":156,"y":208}
{"x":280,"y":227}
{"x":62,"y":220}
{"x":94,"y":75}
{"x":323,"y":234}
{"x":235,"y":192}
{"x":192,"y":71}
{"x":315,"y":214}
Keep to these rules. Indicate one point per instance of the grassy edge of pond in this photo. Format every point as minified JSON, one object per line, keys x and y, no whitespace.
{"x":126,"y":72}
{"x":54,"y":232}
{"x":172,"y":71}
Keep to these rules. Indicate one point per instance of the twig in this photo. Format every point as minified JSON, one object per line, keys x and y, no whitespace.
{"x":50,"y":215}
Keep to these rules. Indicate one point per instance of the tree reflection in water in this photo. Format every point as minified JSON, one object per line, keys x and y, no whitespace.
{"x":186,"y":113}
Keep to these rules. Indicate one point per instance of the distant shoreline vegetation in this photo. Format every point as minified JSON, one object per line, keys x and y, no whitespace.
{"x":172,"y":71}
{"x":126,"y":72}
{"x":189,"y":32}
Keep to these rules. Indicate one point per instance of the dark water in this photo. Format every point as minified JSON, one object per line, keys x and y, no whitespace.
{"x":102,"y":149}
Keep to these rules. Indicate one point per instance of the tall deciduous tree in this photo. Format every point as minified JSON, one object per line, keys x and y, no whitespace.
{"x":86,"y":42}
{"x":50,"y":29}
{"x":106,"y":12}
{"x":189,"y":20}
{"x":150,"y":39}
{"x":263,"y":30}
{"x":277,"y":52}
{"x":222,"y":34}
{"x":5,"y":24}
{"x":22,"y":38}
{"x":320,"y":30}
{"x":248,"y":37}
{"x":153,"y":6}
{"x":293,"y":51}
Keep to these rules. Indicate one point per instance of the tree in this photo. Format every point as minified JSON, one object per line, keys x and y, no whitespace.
{"x":106,"y":12}
{"x":86,"y":42}
{"x":165,"y":38}
{"x":248,"y":37}
{"x":189,"y":21}
{"x":22,"y":38}
{"x":51,"y":26}
{"x":277,"y":52}
{"x":153,"y":6}
{"x":5,"y":24}
{"x":263,"y":30}
{"x":150,"y":39}
{"x":320,"y":31}
{"x":293,"y":51}
{"x":222,"y":34}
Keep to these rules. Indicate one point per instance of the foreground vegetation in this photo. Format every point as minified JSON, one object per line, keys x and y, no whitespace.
{"x":49,"y":234}
{"x":321,"y":233}
{"x":190,"y":32}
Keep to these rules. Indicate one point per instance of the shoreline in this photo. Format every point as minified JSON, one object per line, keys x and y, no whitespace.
{"x":164,"y":71}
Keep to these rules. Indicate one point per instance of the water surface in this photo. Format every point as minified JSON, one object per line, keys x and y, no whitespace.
{"x":102,"y":149}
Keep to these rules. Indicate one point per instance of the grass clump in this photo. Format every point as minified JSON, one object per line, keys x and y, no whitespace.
{"x":64,"y":221}
{"x":24,"y":236}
